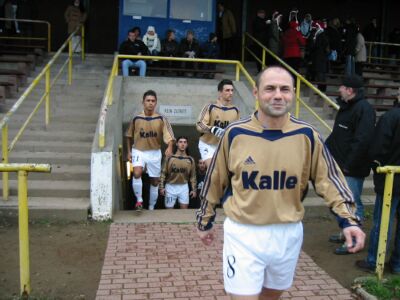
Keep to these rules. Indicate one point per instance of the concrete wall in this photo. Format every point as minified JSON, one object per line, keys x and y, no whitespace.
{"x":106,"y":174}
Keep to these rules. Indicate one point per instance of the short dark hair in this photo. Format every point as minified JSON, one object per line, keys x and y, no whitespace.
{"x":272,"y":67}
{"x":224,"y":82}
{"x":149,"y":93}
{"x":136,"y":28}
{"x":176,"y":142}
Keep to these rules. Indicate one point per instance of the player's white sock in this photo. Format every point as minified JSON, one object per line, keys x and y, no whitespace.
{"x":137,"y":186}
{"x":153,"y":196}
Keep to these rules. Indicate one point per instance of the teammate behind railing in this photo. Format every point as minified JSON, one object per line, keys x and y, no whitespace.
{"x":214,"y":118}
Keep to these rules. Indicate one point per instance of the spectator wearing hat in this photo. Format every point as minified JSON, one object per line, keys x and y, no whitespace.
{"x":350,"y":141}
{"x":151,"y":40}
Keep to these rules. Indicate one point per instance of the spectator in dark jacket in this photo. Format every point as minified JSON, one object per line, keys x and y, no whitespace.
{"x":349,"y":47}
{"x":371,"y":34}
{"x":133,"y":46}
{"x":211,"y":50}
{"x":292,"y":40}
{"x":385,"y":151}
{"x":394,"y":38}
{"x":334,"y":37}
{"x":318,"y":52}
{"x":351,"y":139}
{"x":189,"y":48}
{"x":170,"y":48}
{"x":260,"y":33}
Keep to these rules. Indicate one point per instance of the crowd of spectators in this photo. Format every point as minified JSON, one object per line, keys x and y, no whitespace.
{"x":151,"y":44}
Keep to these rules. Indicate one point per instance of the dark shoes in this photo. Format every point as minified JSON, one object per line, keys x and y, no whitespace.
{"x":365,"y":266}
{"x":337,"y":238}
{"x":342,"y":250}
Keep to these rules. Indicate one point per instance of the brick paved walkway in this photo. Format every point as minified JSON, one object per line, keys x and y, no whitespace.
{"x":168,"y":261}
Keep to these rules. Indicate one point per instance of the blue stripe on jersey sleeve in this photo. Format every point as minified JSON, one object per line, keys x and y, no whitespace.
{"x":272,"y":135}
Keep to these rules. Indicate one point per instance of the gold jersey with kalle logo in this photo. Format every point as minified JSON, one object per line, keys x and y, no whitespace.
{"x":261,"y":175}
{"x":215,"y":115}
{"x":178,"y":169}
{"x":149,"y":131}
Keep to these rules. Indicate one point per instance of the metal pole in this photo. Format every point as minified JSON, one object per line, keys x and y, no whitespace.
{"x":243,"y":45}
{"x":25,"y":281}
{"x":383,"y":233}
{"x":237,"y":77}
{"x":47,"y":96}
{"x":4,"y":147}
{"x":70,"y":62}
{"x":369,"y":52}
{"x":297,"y":112}
{"x":263,"y":58}
{"x":83,"y":42}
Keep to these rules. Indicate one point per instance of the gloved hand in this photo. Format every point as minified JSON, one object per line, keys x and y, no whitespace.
{"x":217,"y":131}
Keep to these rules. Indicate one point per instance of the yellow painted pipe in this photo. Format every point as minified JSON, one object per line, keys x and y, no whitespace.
{"x":47,"y":96}
{"x":25,"y":280}
{"x":298,"y":83}
{"x":383,"y":232}
{"x":14,"y":167}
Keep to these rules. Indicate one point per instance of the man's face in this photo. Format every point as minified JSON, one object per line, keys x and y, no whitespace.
{"x":220,"y":7}
{"x":149,"y":104}
{"x":189,"y":37}
{"x":346,"y":93}
{"x":172,"y":36}
{"x":201,"y":165}
{"x":261,"y":14}
{"x":275,"y":92}
{"x":226,"y":94}
{"x":182,"y":144}
{"x":131,"y":36}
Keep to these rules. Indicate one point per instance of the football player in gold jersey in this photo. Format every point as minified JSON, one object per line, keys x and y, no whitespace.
{"x":214,"y":118}
{"x":144,"y":136}
{"x":178,"y":170}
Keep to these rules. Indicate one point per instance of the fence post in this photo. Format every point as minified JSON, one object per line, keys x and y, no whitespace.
{"x":25,"y":280}
{"x":383,"y":232}
{"x":263,"y":58}
{"x":47,"y":96}
{"x":237,"y":77}
{"x":297,"y":112}
{"x":4,"y":146}
{"x":70,"y":62}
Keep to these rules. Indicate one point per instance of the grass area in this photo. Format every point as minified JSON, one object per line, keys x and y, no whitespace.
{"x":388,"y":289}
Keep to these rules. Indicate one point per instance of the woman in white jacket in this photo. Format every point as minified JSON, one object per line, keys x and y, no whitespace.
{"x":361,"y":54}
{"x":151,"y":40}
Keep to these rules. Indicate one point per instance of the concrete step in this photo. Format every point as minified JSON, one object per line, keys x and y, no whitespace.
{"x":59,"y":146}
{"x":50,"y":158}
{"x":53,"y":188}
{"x":66,"y":135}
{"x":49,"y":208}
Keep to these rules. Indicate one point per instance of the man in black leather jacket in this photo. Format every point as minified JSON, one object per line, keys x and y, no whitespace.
{"x":351,"y":138}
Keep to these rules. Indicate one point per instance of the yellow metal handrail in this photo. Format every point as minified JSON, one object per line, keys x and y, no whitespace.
{"x":45,"y":73}
{"x":23,"y":219}
{"x":390,"y":171}
{"x":370,"y":46}
{"x":299,"y":79}
{"x":30,"y":38}
{"x":108,"y":100}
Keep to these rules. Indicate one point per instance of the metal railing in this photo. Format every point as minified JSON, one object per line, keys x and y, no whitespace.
{"x":390,"y":171}
{"x":23,"y":218}
{"x":379,"y":46}
{"x":299,"y":78}
{"x":43,"y":75}
{"x":47,"y":38}
{"x":108,"y":98}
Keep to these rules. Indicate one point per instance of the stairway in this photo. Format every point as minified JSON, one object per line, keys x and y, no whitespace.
{"x":65,"y":144}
